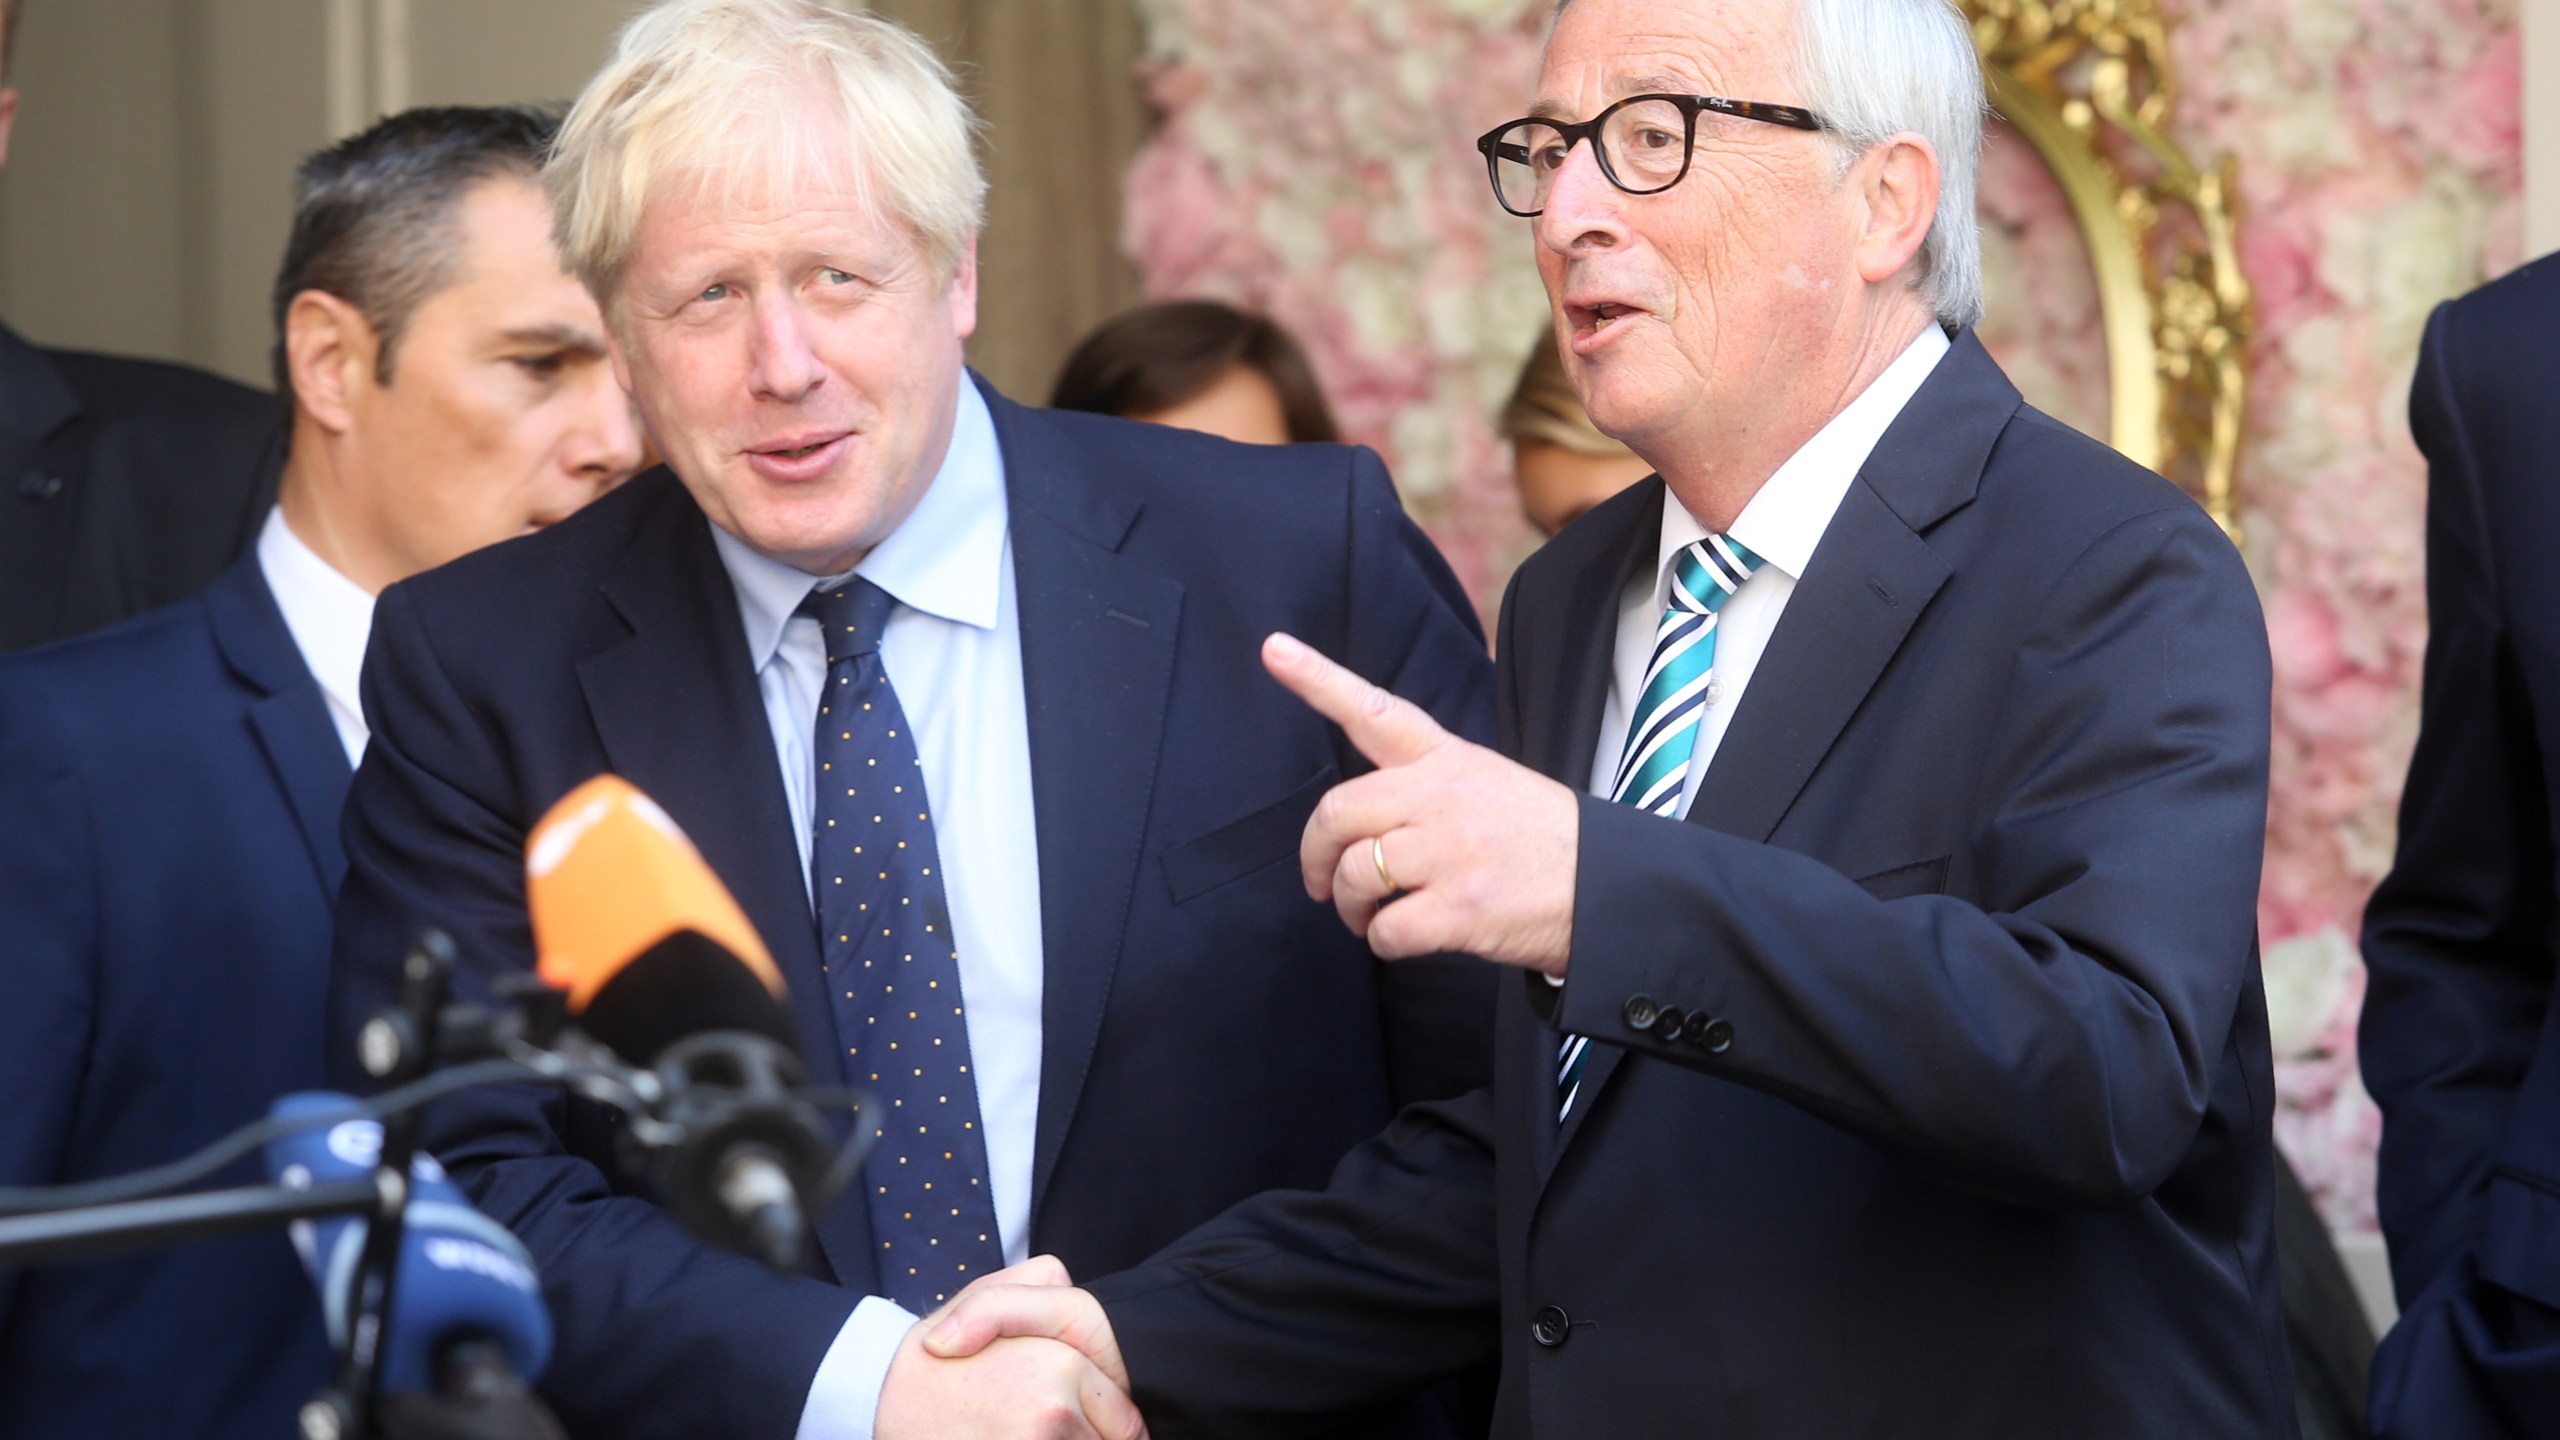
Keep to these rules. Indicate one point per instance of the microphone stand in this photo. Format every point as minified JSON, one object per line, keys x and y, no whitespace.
{"x":349,"y":1409}
{"x":399,"y":1047}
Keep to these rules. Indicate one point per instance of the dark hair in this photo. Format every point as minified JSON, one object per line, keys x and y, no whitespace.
{"x":1159,"y":356}
{"x":8,"y":35}
{"x":373,"y":215}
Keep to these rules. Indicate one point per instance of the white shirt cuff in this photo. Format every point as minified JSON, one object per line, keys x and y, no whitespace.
{"x":844,"y":1398}
{"x":1553,"y":981}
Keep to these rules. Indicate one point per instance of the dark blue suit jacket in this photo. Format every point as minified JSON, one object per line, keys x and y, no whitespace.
{"x":171,"y":790}
{"x":1930,"y":1091}
{"x":1207,"y":1030}
{"x":2460,"y":1040}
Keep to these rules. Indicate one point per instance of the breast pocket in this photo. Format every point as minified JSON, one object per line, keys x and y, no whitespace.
{"x":1240,"y":847}
{"x":1920,"y":877}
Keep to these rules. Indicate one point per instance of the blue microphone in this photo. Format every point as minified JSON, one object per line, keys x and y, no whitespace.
{"x":461,"y":1278}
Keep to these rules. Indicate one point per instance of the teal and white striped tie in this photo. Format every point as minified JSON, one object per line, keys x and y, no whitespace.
{"x":1663,"y":735}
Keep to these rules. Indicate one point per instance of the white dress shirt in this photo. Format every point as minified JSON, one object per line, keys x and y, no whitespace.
{"x":1782,"y":525}
{"x":329,"y":617}
{"x":954,"y":651}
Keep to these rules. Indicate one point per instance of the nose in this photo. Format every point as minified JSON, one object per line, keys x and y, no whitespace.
{"x":786,"y":365}
{"x":604,"y":446}
{"x":1583,"y":210}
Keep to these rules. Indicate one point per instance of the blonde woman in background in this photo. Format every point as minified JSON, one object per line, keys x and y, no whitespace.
{"x":1563,"y":464}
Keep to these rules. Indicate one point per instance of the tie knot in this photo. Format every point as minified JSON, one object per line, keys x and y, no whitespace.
{"x":1706,"y":573}
{"x":852,"y":617}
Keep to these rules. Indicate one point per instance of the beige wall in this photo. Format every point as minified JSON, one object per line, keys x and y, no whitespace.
{"x":145,"y":204}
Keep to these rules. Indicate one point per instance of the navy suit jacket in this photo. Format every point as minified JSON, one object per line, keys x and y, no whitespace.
{"x":125,"y":485}
{"x":171,"y":788}
{"x":2460,"y":1042}
{"x":1930,"y":1092}
{"x":1207,"y":1030}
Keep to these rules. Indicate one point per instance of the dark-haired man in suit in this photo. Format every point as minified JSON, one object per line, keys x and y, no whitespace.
{"x":124,"y":484}
{"x":2458,"y":1041}
{"x":1882,"y":1051}
{"x":959,"y":698}
{"x":173,"y":785}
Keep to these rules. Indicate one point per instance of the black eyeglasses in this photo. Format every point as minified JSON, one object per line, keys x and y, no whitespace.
{"x":1644,"y":143}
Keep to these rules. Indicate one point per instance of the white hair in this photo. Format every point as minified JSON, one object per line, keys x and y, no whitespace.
{"x":1875,"y":68}
{"x":771,"y":92}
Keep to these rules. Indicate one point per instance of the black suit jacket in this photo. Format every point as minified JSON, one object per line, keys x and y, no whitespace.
{"x":125,"y":485}
{"x":1207,"y":1030}
{"x":170,"y":789}
{"x":2460,"y":1041}
{"x":1933,"y":1091}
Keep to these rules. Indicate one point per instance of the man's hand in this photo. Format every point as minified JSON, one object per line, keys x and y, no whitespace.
{"x":1477,"y":851}
{"x":1026,"y":1374}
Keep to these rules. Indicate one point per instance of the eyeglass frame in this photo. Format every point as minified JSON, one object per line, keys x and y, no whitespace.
{"x":1576,"y":132}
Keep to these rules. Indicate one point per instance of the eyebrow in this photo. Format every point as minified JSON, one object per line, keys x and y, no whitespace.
{"x":1620,"y":87}
{"x":557,"y":337}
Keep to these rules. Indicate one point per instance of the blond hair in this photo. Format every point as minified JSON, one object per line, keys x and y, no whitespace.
{"x":1544,"y":407}
{"x":726,"y":92}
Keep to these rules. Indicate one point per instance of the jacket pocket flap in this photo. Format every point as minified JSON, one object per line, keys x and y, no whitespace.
{"x":1243,"y":846}
{"x":1920,"y":877}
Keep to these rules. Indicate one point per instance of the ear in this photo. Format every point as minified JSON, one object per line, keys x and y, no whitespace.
{"x":329,"y":350}
{"x":964,"y":292}
{"x":8,"y":118}
{"x":1898,"y":180}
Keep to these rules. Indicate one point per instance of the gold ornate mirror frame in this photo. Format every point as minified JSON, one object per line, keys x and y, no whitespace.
{"x":2088,"y":84}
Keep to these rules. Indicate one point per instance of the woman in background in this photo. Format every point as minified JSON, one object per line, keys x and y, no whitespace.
{"x":1562,"y":462}
{"x":1198,"y":365}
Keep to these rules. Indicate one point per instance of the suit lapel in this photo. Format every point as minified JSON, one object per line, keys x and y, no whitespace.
{"x":289,"y":718}
{"x":37,"y":430}
{"x":1865,"y":587}
{"x":676,"y":707}
{"x":1564,"y":694}
{"x":1098,"y":638}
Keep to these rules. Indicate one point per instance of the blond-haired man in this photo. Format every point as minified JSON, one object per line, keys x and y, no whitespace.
{"x":961,"y":699}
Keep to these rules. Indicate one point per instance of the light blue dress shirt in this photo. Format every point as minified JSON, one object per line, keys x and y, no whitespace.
{"x":954,"y":652}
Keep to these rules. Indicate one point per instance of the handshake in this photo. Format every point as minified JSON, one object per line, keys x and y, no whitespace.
{"x":1020,"y":1355}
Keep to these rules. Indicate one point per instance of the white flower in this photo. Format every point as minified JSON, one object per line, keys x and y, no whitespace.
{"x":2307,"y":978}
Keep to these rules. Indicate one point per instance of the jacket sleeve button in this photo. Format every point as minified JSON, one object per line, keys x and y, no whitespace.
{"x":1719,"y":1036}
{"x":1640,"y":1012}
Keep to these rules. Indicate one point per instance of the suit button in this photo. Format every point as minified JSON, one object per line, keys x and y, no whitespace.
{"x":1640,"y":1012}
{"x":38,"y":486}
{"x":1550,"y":1326}
{"x":1667,"y":1024}
{"x":1719,"y":1036}
{"x":1695,"y":1032}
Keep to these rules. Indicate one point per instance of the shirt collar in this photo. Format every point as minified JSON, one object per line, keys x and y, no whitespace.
{"x":946,"y":558}
{"x":328,"y":615}
{"x":1784,"y":522}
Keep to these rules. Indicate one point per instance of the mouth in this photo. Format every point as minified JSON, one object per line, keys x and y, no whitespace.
{"x":1595,"y":321}
{"x":798,"y":457}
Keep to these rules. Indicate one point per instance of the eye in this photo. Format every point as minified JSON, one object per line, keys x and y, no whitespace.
{"x":713,"y":293}
{"x":1548,"y":154}
{"x":543,"y":367}
{"x":829,"y":275}
{"x":1653,"y":137}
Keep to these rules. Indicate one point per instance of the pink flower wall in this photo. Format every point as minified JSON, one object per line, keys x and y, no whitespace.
{"x":1316,"y":161}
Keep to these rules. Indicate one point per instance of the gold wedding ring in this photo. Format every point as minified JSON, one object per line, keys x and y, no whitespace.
{"x":1378,"y":857}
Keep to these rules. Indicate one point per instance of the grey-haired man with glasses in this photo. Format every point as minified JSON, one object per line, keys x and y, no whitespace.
{"x":1876,"y":834}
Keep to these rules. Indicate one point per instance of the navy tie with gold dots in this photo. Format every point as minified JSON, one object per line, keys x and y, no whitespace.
{"x":893,"y":969}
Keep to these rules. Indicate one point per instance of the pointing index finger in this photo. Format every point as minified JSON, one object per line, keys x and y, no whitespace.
{"x":1386,"y":728}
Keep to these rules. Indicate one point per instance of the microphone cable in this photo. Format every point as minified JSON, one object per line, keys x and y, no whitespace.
{"x":610,"y":1084}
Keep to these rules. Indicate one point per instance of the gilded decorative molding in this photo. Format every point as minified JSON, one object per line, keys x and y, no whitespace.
{"x":2088,"y":83}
